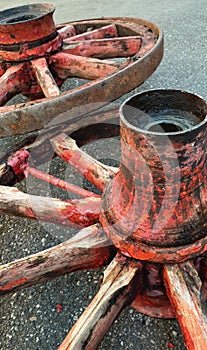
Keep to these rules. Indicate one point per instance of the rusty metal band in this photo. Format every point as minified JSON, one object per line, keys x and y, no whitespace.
{"x":30,"y":44}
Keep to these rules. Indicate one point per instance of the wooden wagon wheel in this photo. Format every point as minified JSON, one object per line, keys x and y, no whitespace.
{"x":170,"y":282}
{"x":111,"y":56}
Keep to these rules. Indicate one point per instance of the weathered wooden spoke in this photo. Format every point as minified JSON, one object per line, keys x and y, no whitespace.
{"x":80,"y":212}
{"x":88,"y":249}
{"x":93,"y":170}
{"x":66,"y":65}
{"x":184,"y":289}
{"x":69,"y":33}
{"x":13,"y":81}
{"x":117,"y":290}
{"x":105,"y":48}
{"x":44,"y":77}
{"x":60,"y":183}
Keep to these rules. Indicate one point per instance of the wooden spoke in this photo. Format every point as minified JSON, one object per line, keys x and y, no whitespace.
{"x":13,"y":81}
{"x":89,"y":249}
{"x":80,"y":212}
{"x":118,"y":288}
{"x":184,"y":290}
{"x":105,"y":48}
{"x":108,"y":31}
{"x":60,"y":183}
{"x":67,"y":31}
{"x":94,"y":171}
{"x":147,"y":45}
{"x":44,"y":77}
{"x":65,"y":65}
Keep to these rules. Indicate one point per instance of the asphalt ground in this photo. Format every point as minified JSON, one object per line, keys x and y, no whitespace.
{"x":29,"y":318}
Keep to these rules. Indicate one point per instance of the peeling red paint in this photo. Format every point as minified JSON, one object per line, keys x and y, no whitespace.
{"x":18,"y":162}
{"x":59,"y":183}
{"x":30,"y":37}
{"x":105,"y":48}
{"x":13,"y":284}
{"x":108,"y":31}
{"x":155,"y":207}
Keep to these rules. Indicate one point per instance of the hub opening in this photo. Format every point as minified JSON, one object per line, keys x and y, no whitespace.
{"x":21,"y":19}
{"x":25,"y":13}
{"x":165,"y":127}
{"x":163,"y":111}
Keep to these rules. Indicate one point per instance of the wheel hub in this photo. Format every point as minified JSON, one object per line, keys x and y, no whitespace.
{"x":154,"y":209}
{"x":28,"y":32}
{"x":166,"y":171}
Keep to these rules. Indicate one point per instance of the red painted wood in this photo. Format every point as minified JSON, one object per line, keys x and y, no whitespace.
{"x":44,"y":77}
{"x":65,"y":65}
{"x":105,"y":48}
{"x":25,"y":53}
{"x":18,"y":162}
{"x":154,"y":209}
{"x":16,"y":30}
{"x":67,"y":32}
{"x":28,"y":34}
{"x":94,"y":171}
{"x":116,"y":291}
{"x":152,"y":298}
{"x":184,"y":290}
{"x":77,"y":212}
{"x":88,"y":249}
{"x":13,"y":81}
{"x":59,"y":183}
{"x":103,"y":32}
